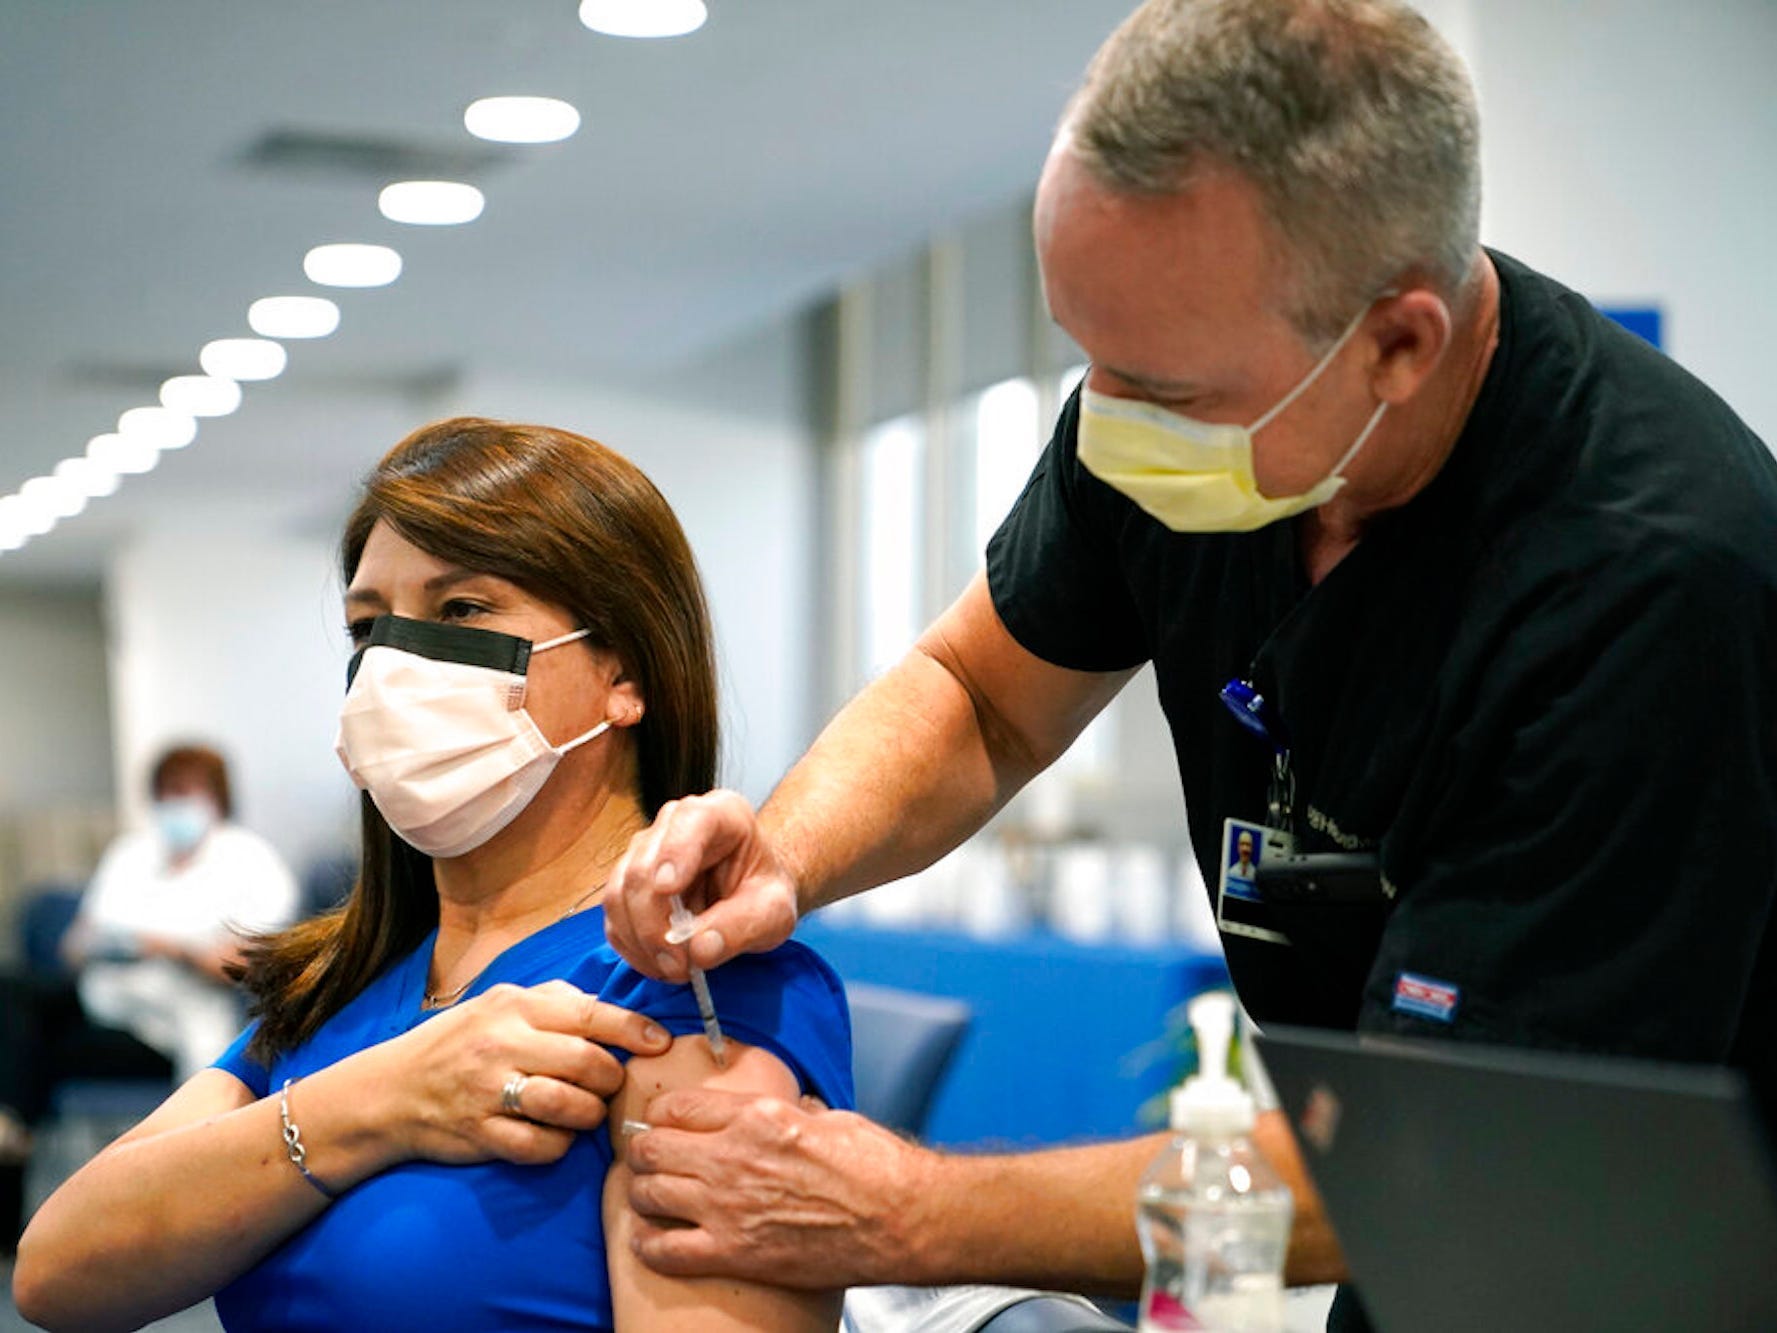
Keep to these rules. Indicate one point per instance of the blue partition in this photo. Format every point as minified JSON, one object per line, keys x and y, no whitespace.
{"x":1645,"y":321}
{"x":1067,"y":1041}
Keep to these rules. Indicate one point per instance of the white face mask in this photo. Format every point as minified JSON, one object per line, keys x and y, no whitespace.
{"x":435,"y":729}
{"x":1197,"y":476}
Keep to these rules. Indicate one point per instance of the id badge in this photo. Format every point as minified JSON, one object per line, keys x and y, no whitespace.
{"x":1239,"y":908}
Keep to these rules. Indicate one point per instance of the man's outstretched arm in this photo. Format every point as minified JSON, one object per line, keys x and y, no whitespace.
{"x":765,"y":1188}
{"x":907,"y":770}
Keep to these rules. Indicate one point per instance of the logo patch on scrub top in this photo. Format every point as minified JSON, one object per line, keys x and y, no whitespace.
{"x":1425,"y":997}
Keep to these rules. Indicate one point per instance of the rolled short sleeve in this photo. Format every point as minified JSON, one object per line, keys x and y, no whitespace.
{"x":1052,"y":566}
{"x":1600,"y":870}
{"x":787,"y":1001}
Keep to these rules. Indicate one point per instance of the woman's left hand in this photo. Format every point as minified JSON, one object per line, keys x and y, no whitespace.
{"x":512,"y":1074}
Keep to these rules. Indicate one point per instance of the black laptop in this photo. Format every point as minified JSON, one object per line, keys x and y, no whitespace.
{"x":1500,"y":1189}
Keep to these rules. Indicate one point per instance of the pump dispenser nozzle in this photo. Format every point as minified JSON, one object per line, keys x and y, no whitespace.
{"x":1211,"y":1103}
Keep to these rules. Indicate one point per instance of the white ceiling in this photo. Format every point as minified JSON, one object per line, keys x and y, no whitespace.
{"x":718,"y":181}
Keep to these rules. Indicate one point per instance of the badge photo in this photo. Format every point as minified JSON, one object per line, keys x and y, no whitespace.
{"x":1240,"y":910}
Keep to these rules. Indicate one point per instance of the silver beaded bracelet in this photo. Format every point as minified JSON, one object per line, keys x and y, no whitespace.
{"x":293,"y":1148}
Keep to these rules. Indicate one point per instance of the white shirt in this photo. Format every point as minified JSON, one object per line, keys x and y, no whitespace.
{"x":234,"y":882}
{"x":936,"y":1309}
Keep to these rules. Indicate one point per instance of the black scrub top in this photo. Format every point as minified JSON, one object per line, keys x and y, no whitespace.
{"x":1541,"y":691}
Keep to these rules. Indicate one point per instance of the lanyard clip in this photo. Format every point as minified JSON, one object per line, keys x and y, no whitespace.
{"x":1254,"y":712}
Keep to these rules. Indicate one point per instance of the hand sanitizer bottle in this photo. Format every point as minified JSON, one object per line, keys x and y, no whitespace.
{"x":1214,"y":1217}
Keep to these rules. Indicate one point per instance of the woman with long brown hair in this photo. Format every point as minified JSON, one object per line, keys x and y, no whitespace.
{"x":414,"y":1132}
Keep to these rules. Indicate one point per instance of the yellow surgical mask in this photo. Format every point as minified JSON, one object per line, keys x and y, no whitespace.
{"x":1197,"y":476}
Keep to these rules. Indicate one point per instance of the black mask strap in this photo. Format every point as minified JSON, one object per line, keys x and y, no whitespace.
{"x":445,"y":643}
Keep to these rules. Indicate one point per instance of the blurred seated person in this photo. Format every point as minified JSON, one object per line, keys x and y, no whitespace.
{"x":167,"y":911}
{"x":156,"y":928}
{"x":421,"y":1129}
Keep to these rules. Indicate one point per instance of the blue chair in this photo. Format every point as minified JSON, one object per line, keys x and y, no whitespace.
{"x":327,"y":882}
{"x":48,"y":912}
{"x":901,"y":1045}
{"x":87,"y":1112}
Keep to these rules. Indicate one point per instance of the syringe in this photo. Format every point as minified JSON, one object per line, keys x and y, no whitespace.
{"x":684,"y":926}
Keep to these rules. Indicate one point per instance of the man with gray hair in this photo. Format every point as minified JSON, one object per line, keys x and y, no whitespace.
{"x":1493,"y":579}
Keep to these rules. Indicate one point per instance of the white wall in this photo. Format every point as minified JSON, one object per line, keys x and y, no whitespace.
{"x":1629,"y":149}
{"x":55,"y":741}
{"x":55,"y":726}
{"x":228,"y":634}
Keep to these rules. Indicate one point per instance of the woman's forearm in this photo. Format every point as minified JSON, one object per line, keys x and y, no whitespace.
{"x":193,"y":1198}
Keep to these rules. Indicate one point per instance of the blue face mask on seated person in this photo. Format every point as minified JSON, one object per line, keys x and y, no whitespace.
{"x":182,"y":822}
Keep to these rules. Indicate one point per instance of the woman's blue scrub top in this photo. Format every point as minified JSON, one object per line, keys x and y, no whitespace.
{"x":499,"y":1246}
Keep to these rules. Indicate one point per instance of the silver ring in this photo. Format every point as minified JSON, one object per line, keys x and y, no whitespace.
{"x":510,"y":1094}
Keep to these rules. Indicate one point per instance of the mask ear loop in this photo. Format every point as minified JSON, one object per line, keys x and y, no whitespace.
{"x":602,"y":727}
{"x":1357,"y":444}
{"x":559,"y":640}
{"x":578,"y":741}
{"x":1325,"y":361}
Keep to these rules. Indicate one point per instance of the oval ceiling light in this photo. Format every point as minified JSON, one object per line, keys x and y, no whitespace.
{"x":126,"y":457}
{"x":293,"y":317}
{"x":87,"y":477}
{"x":24,"y":518}
{"x":242,"y":359}
{"x":430,"y":203}
{"x":201,"y":395}
{"x":158,"y":426}
{"x":15,"y":523}
{"x":643,"y":18}
{"x":351,"y":265}
{"x":521,"y":119}
{"x":54,"y":496}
